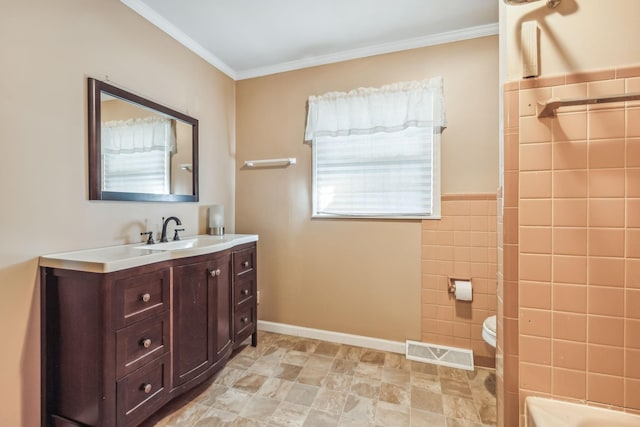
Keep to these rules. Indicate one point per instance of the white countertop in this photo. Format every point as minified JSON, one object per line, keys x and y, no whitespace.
{"x":114,"y":258}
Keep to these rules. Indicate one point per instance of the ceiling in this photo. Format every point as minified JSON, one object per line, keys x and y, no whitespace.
{"x":251,"y":38}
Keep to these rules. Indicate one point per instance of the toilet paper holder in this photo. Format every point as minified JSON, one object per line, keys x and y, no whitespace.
{"x":452,"y":283}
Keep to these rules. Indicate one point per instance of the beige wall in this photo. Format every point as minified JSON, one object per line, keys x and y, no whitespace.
{"x":48,"y":50}
{"x":578,"y":35}
{"x":354,"y":276}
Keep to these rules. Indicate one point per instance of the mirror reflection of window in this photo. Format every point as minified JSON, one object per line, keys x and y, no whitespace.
{"x":143,"y":151}
{"x":136,"y":155}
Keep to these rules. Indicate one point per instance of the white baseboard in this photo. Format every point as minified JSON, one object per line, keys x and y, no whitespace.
{"x":337,"y":337}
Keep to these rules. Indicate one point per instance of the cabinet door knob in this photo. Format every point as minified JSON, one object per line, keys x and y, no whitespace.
{"x":245,"y":264}
{"x":245,"y":292}
{"x":146,"y":297}
{"x":215,"y":273}
{"x":146,"y":343}
{"x":146,"y":388}
{"x":245,"y":319}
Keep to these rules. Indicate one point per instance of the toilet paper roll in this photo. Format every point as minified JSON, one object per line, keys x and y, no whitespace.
{"x":464,"y":290}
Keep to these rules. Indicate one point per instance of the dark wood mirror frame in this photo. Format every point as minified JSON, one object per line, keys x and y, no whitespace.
{"x":96,"y":88}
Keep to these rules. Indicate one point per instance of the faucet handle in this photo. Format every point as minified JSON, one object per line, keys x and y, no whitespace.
{"x":175,"y":234}
{"x":150,"y":239}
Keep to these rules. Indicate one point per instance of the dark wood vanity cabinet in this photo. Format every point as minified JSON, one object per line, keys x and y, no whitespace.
{"x":117,"y":346}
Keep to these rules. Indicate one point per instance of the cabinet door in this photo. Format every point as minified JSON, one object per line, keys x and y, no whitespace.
{"x":202,"y":317}
{"x":223,"y":314}
{"x":192,"y":322}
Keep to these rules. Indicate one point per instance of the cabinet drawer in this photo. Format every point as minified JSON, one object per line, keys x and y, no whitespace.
{"x":244,"y":261}
{"x":245,"y":289}
{"x":245,"y":321}
{"x":139,"y":343}
{"x":143,"y":392}
{"x":142,"y":296}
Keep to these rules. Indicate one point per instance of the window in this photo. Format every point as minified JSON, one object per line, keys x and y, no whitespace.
{"x":376,"y":151}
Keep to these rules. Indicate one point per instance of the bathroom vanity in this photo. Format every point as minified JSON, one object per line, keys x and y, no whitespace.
{"x":128,"y":328}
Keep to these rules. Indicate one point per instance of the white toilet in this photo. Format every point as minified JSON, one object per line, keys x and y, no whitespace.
{"x":489,"y":330}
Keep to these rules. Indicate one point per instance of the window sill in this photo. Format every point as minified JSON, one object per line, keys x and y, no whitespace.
{"x":376,"y":217}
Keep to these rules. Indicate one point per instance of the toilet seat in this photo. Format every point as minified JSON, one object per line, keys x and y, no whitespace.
{"x":489,"y":330}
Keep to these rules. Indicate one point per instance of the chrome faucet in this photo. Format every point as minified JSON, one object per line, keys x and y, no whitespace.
{"x":163,"y":237}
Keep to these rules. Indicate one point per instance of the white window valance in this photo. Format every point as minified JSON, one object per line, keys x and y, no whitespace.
{"x":138,"y":135}
{"x":366,"y":111}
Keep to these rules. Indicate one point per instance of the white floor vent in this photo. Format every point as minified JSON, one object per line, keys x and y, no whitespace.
{"x":440,"y":355}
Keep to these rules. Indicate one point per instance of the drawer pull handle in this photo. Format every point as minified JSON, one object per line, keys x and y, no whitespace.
{"x":245,"y":264}
{"x":245,"y":319}
{"x":146,"y":388}
{"x":146,"y":343}
{"x":145,"y":297}
{"x":245,"y":292}
{"x":215,"y":273}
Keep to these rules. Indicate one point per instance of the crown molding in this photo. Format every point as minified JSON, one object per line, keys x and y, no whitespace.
{"x":435,"y":39}
{"x":159,"y":21}
{"x":413,"y":43}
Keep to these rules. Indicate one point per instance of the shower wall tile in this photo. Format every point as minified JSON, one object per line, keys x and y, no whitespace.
{"x":607,"y":212}
{"x":569,"y":155}
{"x":606,"y":124}
{"x":569,"y":354}
{"x":633,"y":152}
{"x":606,"y":183}
{"x":570,"y":127}
{"x":569,"y":383}
{"x":608,"y":153}
{"x":633,"y":122}
{"x":577,"y":264}
{"x":536,"y":212}
{"x":633,"y":182}
{"x":570,"y":184}
{"x":569,"y":212}
{"x":570,"y":240}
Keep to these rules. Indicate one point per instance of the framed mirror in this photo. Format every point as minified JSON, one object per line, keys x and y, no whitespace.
{"x":139,"y":150}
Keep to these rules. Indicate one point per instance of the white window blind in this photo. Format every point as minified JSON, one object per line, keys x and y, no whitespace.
{"x":146,"y":172}
{"x":376,"y":151}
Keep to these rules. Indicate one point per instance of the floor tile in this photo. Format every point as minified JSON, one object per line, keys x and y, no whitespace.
{"x":293,"y":381}
{"x":317,"y":418}
{"x":388,"y":414}
{"x":250,"y":382}
{"x":459,"y":408}
{"x":260,"y":408}
{"x":426,"y":400}
{"x":425,"y":418}
{"x":329,"y":401}
{"x":359,"y":409}
{"x":302,"y":394}
{"x":395,"y":394}
{"x":365,"y":387}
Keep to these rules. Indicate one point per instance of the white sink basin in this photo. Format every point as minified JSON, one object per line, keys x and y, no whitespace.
{"x":197,"y":242}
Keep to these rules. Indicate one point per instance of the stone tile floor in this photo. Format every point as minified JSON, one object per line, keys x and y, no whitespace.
{"x":292,"y":381}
